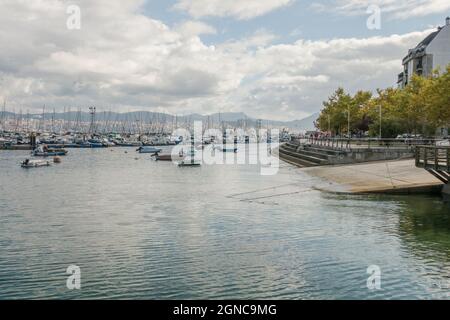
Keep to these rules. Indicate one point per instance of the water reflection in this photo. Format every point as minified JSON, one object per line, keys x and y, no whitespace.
{"x":143,"y":229}
{"x":424,"y":225}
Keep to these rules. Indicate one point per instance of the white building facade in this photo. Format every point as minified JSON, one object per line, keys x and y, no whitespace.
{"x":430,"y":54}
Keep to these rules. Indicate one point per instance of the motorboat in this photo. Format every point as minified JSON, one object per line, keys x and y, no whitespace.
{"x":50,"y":153}
{"x":83,"y":144}
{"x":44,"y":151}
{"x":96,"y":143}
{"x":127,"y":143}
{"x":27,"y":163}
{"x":169,"y":157}
{"x":108,"y":143}
{"x":189,"y":162}
{"x":148,"y":149}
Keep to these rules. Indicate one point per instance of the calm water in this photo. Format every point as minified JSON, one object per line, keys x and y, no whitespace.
{"x":144,"y":229}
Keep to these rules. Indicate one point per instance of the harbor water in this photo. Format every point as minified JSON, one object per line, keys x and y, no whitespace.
{"x":141,"y":229}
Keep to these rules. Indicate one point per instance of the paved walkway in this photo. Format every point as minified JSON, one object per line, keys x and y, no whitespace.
{"x":375,"y":177}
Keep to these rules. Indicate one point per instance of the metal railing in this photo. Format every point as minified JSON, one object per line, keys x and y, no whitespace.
{"x":365,"y":143}
{"x":433,"y":158}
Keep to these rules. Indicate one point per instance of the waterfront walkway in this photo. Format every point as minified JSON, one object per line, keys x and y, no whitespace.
{"x":376,"y":177}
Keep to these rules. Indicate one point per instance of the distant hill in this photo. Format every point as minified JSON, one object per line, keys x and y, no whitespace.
{"x":306,"y":123}
{"x":147,"y":116}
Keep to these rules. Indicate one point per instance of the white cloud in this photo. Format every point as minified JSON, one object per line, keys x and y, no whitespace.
{"x":242,"y":9}
{"x":298,"y":77}
{"x":401,"y":9}
{"x":195,"y":28}
{"x":122,"y":60}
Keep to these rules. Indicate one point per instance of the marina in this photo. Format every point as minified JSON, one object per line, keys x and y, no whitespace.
{"x":148,"y":229}
{"x":226,"y":159}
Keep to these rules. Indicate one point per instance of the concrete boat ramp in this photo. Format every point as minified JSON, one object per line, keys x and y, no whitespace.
{"x":387,"y":177}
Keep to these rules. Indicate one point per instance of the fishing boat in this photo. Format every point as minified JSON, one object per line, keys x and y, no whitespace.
{"x":44,"y":151}
{"x":27,"y":163}
{"x":147,"y":149}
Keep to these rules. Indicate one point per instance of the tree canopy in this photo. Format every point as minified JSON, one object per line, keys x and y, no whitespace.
{"x":419,"y":108}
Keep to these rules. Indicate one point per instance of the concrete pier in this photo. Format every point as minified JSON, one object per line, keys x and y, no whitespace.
{"x":389,"y":177}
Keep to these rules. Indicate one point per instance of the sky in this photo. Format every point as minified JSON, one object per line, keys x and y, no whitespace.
{"x":271,"y":59}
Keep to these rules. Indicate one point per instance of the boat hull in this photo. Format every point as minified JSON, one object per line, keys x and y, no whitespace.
{"x":189,"y":164}
{"x":148,"y":149}
{"x":168,"y":157}
{"x":35,"y":164}
{"x":49,"y":154}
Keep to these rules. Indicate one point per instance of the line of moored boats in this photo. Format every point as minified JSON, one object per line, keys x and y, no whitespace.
{"x":185,"y":158}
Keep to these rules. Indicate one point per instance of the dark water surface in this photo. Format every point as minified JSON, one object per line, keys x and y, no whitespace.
{"x":150,"y":230}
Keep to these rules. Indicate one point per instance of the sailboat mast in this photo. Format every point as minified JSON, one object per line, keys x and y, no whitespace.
{"x":2,"y":119}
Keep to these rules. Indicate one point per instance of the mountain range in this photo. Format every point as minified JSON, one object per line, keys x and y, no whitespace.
{"x":147,"y":116}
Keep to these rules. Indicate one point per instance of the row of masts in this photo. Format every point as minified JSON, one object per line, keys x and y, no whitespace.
{"x":107,"y":122}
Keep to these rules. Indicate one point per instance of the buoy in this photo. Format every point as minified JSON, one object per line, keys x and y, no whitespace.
{"x":57,"y":160}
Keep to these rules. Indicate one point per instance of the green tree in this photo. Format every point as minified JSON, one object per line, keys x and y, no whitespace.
{"x":420,"y":108}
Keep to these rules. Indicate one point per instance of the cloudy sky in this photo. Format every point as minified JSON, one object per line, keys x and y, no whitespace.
{"x":275,"y":59}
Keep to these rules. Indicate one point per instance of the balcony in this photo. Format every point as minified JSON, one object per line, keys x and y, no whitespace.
{"x":400,"y":78}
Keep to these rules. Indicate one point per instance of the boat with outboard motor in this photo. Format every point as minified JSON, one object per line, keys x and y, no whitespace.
{"x":27,"y":163}
{"x":190,"y":161}
{"x":44,"y":151}
{"x":148,"y":149}
{"x":169,"y":156}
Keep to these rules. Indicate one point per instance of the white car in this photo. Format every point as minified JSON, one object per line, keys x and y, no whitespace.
{"x":443,"y":143}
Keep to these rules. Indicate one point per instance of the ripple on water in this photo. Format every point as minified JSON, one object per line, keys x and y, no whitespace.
{"x":148,"y":230}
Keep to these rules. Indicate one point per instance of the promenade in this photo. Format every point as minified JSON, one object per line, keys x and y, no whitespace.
{"x":389,"y":177}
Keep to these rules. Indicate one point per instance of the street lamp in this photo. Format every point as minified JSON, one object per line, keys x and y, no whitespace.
{"x":380,"y":120}
{"x":329,"y":124}
{"x":348,"y":124}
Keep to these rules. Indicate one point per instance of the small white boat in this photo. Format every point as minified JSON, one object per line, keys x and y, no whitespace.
{"x":35,"y":163}
{"x":148,"y":149}
{"x":188,"y":162}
